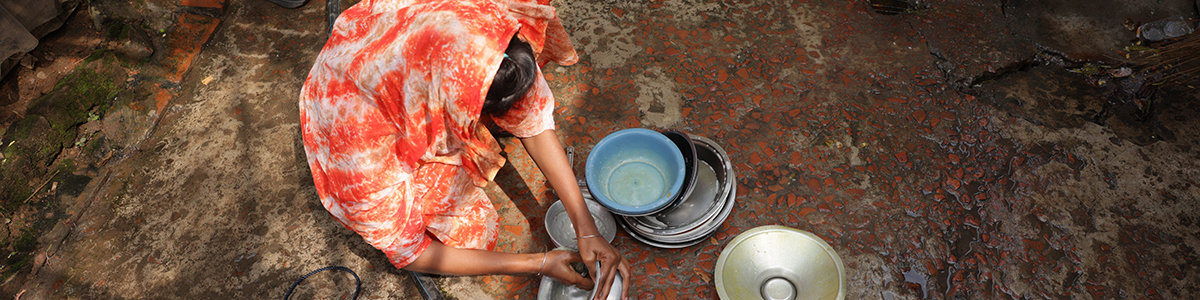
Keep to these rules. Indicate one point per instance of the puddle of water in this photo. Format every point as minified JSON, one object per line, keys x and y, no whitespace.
{"x":913,"y":276}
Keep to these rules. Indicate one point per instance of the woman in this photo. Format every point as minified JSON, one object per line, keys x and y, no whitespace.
{"x":394,"y":116}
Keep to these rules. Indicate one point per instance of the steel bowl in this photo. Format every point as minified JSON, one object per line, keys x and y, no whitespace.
{"x":648,"y":241}
{"x":688,"y":150}
{"x":614,"y":290}
{"x":635,"y":172}
{"x":776,"y":262}
{"x":686,"y":239}
{"x":709,"y":204}
{"x":551,"y":289}
{"x":702,"y":231}
{"x":700,"y":205}
{"x":562,"y":232}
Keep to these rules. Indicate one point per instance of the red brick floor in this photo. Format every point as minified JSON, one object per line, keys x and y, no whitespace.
{"x":855,"y":135}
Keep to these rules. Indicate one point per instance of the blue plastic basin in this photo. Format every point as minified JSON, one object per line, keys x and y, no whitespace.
{"x":635,"y":172}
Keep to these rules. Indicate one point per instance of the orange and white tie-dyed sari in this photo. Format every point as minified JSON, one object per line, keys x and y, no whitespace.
{"x":390,"y":116}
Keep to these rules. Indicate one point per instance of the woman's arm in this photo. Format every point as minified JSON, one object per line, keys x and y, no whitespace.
{"x":441,"y":259}
{"x":548,"y":153}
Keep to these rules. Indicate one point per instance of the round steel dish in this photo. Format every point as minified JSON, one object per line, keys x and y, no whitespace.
{"x":688,"y":150}
{"x":708,"y":153}
{"x":562,"y":232}
{"x":703,"y":204}
{"x":550,"y":289}
{"x":635,"y":172}
{"x":702,"y":231}
{"x":647,"y":241}
{"x":614,"y":290}
{"x":777,"y":262}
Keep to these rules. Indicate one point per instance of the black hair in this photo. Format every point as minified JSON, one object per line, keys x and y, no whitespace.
{"x":516,"y":75}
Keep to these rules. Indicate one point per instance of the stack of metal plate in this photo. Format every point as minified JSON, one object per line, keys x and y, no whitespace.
{"x":702,"y":210}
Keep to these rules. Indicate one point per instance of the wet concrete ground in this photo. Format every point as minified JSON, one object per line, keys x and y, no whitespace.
{"x":945,"y":153}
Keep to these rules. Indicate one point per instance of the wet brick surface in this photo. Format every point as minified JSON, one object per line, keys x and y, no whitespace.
{"x":852,"y":125}
{"x":867,"y":130}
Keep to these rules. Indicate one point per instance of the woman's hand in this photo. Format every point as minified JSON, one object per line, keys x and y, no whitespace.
{"x":558,"y":266}
{"x":596,"y":248}
{"x":548,"y":153}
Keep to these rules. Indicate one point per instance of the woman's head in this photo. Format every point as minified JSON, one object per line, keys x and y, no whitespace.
{"x":516,"y":75}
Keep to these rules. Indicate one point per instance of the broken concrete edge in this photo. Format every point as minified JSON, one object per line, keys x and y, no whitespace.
{"x":185,"y":42}
{"x":129,"y":41}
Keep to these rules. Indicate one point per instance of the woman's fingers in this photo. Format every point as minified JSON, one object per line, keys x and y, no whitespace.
{"x":608,"y":267}
{"x":582,"y":282}
{"x":623,"y":267}
{"x":611,"y":264}
{"x":604,"y":283}
{"x":618,"y":266}
{"x":560,"y":269}
{"x":589,"y":261}
{"x":572,"y":257}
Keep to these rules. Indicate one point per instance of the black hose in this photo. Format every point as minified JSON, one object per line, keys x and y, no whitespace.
{"x":357,"y":282}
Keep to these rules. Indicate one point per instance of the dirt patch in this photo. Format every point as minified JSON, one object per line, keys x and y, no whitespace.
{"x":1055,"y":97}
{"x":1087,"y":30}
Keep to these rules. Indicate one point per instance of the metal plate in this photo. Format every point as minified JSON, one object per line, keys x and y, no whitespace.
{"x":654,"y":243}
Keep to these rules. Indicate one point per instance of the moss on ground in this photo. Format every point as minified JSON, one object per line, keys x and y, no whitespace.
{"x":20,"y":251}
{"x":118,"y":31}
{"x":51,"y":123}
{"x":31,"y":146}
